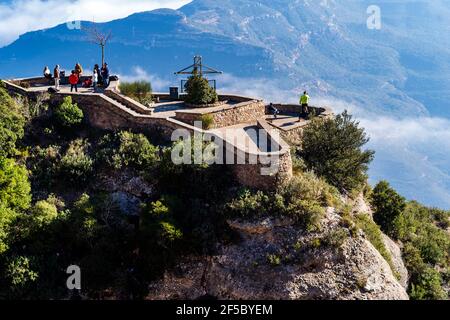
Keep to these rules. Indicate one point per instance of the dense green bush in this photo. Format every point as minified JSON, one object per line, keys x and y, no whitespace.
{"x":76,"y":164}
{"x":423,"y":232}
{"x":388,"y":205}
{"x":303,"y":199}
{"x":12,"y":124}
{"x":249,"y":204}
{"x":158,"y":228}
{"x":333,"y":149}
{"x":126,"y":149}
{"x":428,"y":286}
{"x":68,"y":114}
{"x":199,"y":91}
{"x":139,"y":90}
{"x":43,"y":213}
{"x":19,"y":273}
{"x":43,"y":164}
{"x":14,"y":186}
{"x":307,"y":186}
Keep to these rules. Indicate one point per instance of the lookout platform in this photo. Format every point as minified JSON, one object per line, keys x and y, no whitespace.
{"x":235,"y":121}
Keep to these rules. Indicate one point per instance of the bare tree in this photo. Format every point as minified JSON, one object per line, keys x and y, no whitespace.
{"x":98,"y":37}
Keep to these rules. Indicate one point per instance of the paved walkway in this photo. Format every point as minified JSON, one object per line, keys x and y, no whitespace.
{"x":62,"y":88}
{"x":286,"y":122}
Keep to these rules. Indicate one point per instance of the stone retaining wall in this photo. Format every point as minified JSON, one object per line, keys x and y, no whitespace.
{"x":224,"y":116}
{"x":105,"y":113}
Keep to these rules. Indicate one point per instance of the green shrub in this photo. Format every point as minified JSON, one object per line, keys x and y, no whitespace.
{"x":248,"y":204}
{"x":68,"y":114}
{"x":207,"y":121}
{"x":306,"y":186}
{"x":428,"y":286}
{"x":441,"y":217}
{"x":158,"y":225}
{"x":43,"y":213}
{"x":15,"y":198}
{"x":126,"y":149}
{"x":426,"y":247}
{"x":14,"y":186}
{"x":417,"y":225}
{"x":274,"y":260}
{"x":308,"y":213}
{"x":7,"y":218}
{"x":168,"y":232}
{"x":12,"y":124}
{"x":43,"y":164}
{"x":333,"y":149}
{"x":199,"y":91}
{"x":413,"y":259}
{"x":139,"y":90}
{"x":388,"y":205}
{"x":76,"y":165}
{"x":19,"y":272}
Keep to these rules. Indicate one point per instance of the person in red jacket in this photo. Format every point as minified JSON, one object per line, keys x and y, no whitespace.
{"x":73,"y":80}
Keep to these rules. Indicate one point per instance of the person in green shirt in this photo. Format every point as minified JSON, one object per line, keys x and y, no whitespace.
{"x":304,"y":102}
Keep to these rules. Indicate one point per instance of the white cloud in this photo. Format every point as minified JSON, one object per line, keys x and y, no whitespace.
{"x":20,"y":16}
{"x":139,"y":73}
{"x":412,"y":153}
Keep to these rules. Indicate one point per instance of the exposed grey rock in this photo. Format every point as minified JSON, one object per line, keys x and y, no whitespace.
{"x":307,"y":269}
{"x":397,"y":261}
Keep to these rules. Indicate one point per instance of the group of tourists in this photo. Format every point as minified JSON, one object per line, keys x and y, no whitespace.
{"x":99,"y":76}
{"x":304,"y":102}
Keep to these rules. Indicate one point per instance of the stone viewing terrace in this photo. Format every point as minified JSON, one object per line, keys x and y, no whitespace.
{"x":234,"y":120}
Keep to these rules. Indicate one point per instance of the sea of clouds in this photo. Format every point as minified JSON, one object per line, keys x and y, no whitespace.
{"x":412,"y":153}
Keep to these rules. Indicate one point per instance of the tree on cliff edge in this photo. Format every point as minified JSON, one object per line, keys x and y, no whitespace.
{"x":333,"y":149}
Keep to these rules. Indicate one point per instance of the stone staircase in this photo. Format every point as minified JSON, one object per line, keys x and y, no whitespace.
{"x":133,"y":106}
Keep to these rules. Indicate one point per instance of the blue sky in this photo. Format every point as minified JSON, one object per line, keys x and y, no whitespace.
{"x":20,"y":16}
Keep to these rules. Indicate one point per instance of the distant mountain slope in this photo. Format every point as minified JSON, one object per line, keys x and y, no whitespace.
{"x":160,"y":42}
{"x":324,"y":46}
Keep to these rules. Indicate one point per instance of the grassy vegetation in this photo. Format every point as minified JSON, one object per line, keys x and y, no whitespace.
{"x":140,"y":91}
{"x":426,"y":241}
{"x":374,"y":235}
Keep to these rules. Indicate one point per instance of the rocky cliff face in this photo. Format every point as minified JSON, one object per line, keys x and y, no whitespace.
{"x":274,"y":259}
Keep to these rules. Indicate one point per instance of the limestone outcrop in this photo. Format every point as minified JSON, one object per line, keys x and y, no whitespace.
{"x":275,"y":259}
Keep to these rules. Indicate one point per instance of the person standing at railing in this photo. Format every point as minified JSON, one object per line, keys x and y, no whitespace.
{"x":95,"y":79}
{"x":47,"y":73}
{"x":56,"y":76}
{"x":304,"y":102}
{"x":78,"y":70}
{"x":275,"y":112}
{"x":105,"y":75}
{"x":73,"y":80}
